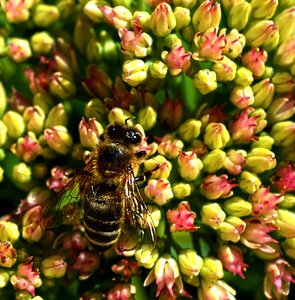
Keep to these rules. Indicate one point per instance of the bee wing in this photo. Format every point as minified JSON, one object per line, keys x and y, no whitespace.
{"x":138,"y":222}
{"x":67,"y":206}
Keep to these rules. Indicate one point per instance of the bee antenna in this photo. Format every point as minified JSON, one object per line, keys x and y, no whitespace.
{"x":126,"y":120}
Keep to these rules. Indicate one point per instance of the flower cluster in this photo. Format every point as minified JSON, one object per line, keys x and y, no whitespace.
{"x":210,"y":84}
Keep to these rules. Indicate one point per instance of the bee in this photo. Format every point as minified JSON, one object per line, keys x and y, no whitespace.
{"x":105,"y":193}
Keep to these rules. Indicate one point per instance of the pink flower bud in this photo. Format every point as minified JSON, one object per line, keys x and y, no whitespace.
{"x":284,"y":179}
{"x":7,"y":255}
{"x":234,"y":161}
{"x":126,"y":268}
{"x":19,"y":49}
{"x":214,"y":187}
{"x":169,"y":146}
{"x":254,"y":61}
{"x":118,"y":16}
{"x":121,"y":291}
{"x":171,"y":113}
{"x":159,"y":191}
{"x":190,"y":165}
{"x":182,"y":218}
{"x":16,"y":11}
{"x":90,"y":132}
{"x":57,"y":180}
{"x":86,"y":263}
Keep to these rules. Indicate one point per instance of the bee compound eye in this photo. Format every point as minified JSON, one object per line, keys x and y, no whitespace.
{"x":133,"y":137}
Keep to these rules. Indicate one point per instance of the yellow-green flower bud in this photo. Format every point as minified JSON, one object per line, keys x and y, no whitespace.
{"x":260,"y":115}
{"x":213,"y":160}
{"x":155,"y":214}
{"x":207,"y":15}
{"x":120,"y":115}
{"x":190,"y":263}
{"x":216,"y":136}
{"x":289,"y":247}
{"x":181,"y":190}
{"x":212,"y":268}
{"x":159,"y":191}
{"x":57,"y":116}
{"x":263,"y":92}
{"x":234,"y":161}
{"x":243,"y":77}
{"x":19,"y":49}
{"x":284,"y":82}
{"x":96,"y":108}
{"x":225,"y":69}
{"x":147,"y":117}
{"x":8,"y":232}
{"x":239,"y":15}
{"x":242,"y":96}
{"x":22,"y":173}
{"x":263,"y":9}
{"x":53,"y":266}
{"x":34,"y":117}
{"x":235,"y":43}
{"x":182,"y":16}
{"x":283,"y":133}
{"x":89,"y":132}
{"x":260,"y":160}
{"x":285,"y":20}
{"x":58,"y":139}
{"x":4,"y":278}
{"x":281,"y":109}
{"x":286,"y":223}
{"x":212,"y":215}
{"x":3,"y":133}
{"x":134,"y":72}
{"x":205,"y":81}
{"x":44,"y":101}
{"x":231,"y":229}
{"x":93,"y":12}
{"x":285,"y":55}
{"x":143,"y":19}
{"x":237,"y":207}
{"x":164,"y":169}
{"x":146,"y":257}
{"x":3,"y":99}
{"x":263,"y":141}
{"x":189,"y":166}
{"x":162,"y":20}
{"x":158,"y":69}
{"x":14,"y":123}
{"x":62,"y":85}
{"x":42,"y":42}
{"x":189,"y":130}
{"x":249,"y":182}
{"x":288,"y":202}
{"x":45,"y":15}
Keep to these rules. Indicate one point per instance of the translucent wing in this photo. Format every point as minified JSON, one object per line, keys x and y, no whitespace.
{"x":138,"y":223}
{"x":67,"y":206}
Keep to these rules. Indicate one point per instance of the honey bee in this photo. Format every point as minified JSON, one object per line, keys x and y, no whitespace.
{"x":105,"y":193}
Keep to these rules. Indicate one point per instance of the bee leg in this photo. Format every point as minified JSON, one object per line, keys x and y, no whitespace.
{"x":143,"y":177}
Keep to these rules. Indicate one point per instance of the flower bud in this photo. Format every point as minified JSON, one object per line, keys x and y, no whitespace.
{"x":58,"y":139}
{"x":212,"y":269}
{"x":216,"y":135}
{"x":170,"y":147}
{"x":147,"y":117}
{"x":249,"y":182}
{"x":231,"y":228}
{"x":288,"y":202}
{"x":14,"y":123}
{"x":162,"y":20}
{"x":234,"y":161}
{"x":239,"y":15}
{"x":134,"y":72}
{"x":243,"y":77}
{"x":42,"y":42}
{"x":43,"y":100}
{"x":181,"y":190}
{"x":146,"y":257}
{"x":284,"y":178}
{"x":89,"y":132}
{"x":261,"y":122}
{"x":22,"y":173}
{"x":62,"y":85}
{"x":171,"y":113}
{"x":189,"y":166}
{"x":182,"y":16}
{"x":212,"y":215}
{"x":92,"y":10}
{"x":213,"y":160}
{"x":242,"y":97}
{"x":8,"y":232}
{"x":189,"y":130}
{"x":190,"y":263}
{"x":284,"y":56}
{"x":19,"y":50}
{"x":286,"y":222}
{"x":289,"y":247}
{"x":16,"y":11}
{"x":7,"y":254}
{"x":260,"y":160}
{"x":235,"y":43}
{"x":283,"y":133}
{"x":263,"y":9}
{"x":285,"y":20}
{"x":263,"y":93}
{"x":95,"y":108}
{"x":164,"y":166}
{"x":158,"y":69}
{"x":237,"y":207}
{"x":263,"y":141}
{"x":225,"y":69}
{"x":118,"y":16}
{"x":121,"y":291}
{"x":119,"y":115}
{"x":53,"y":267}
{"x":45,"y":15}
{"x":159,"y":191}
{"x":34,"y":118}
{"x":205,"y":81}
{"x":3,"y":99}
{"x":4,"y":278}
{"x":284,"y":82}
{"x":3,"y":133}
{"x":57,"y":116}
{"x":207,"y":15}
{"x":254,"y":60}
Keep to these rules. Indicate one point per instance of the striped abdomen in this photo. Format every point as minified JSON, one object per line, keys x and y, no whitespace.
{"x":103,"y":217}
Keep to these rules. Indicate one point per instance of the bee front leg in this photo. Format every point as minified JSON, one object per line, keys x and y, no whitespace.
{"x":145,"y":175}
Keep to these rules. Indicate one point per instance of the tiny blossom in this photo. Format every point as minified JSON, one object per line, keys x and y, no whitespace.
{"x":16,"y":10}
{"x":169,"y":146}
{"x":87,"y":262}
{"x":182,"y":218}
{"x":284,"y":179}
{"x":126,"y":268}
{"x":121,"y":291}
{"x":58,"y":179}
{"x":254,"y":61}
{"x":7,"y":255}
{"x":118,"y":16}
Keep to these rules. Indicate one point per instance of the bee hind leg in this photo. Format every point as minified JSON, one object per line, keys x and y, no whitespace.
{"x":145,"y":175}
